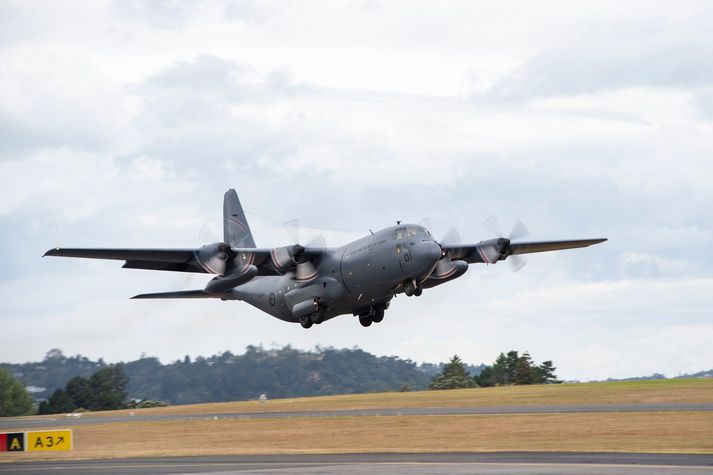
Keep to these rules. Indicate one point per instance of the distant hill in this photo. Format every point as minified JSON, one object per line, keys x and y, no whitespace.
{"x":700,"y":374}
{"x":284,"y":372}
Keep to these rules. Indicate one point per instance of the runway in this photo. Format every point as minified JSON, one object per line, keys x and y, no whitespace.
{"x":528,"y":463}
{"x":63,"y":421}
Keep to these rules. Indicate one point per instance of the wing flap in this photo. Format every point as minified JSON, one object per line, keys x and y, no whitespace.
{"x":165,"y":266}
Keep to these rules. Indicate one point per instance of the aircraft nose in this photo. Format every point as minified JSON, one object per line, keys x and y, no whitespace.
{"x":427,"y":252}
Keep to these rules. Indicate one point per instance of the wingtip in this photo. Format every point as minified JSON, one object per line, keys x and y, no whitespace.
{"x":50,"y":252}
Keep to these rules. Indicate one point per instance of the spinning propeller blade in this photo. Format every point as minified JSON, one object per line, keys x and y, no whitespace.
{"x":306,"y":268}
{"x":518,"y":231}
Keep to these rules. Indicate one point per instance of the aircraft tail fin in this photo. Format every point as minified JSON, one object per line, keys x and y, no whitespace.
{"x":236,"y":230}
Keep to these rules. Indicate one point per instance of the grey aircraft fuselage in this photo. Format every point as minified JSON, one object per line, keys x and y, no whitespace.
{"x":354,"y":277}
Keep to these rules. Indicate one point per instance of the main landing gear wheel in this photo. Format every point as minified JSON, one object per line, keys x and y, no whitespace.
{"x":418,"y":291}
{"x":306,"y":321}
{"x":378,"y":314}
{"x":365,"y":321}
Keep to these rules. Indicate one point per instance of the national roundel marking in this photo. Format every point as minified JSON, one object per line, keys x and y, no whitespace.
{"x":272,"y":299}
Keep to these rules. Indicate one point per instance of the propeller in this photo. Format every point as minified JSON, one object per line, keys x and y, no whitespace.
{"x":306,"y":268}
{"x":451,"y":237}
{"x":518,"y":231}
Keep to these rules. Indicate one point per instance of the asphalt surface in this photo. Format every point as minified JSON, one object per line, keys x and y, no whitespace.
{"x":386,"y":463}
{"x":63,"y":421}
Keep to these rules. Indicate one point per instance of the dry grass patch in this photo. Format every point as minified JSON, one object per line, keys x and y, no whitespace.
{"x":635,"y":392}
{"x":686,"y":432}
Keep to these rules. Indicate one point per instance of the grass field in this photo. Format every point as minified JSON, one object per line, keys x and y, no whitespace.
{"x":673,"y":390}
{"x":681,"y":432}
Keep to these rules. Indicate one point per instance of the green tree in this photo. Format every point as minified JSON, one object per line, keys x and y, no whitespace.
{"x":453,"y":376}
{"x":547,"y":373}
{"x":525,"y":371}
{"x":58,"y":402}
{"x":108,"y":386}
{"x":80,"y":392}
{"x":505,"y":368}
{"x":14,"y":399}
{"x":486,"y":378}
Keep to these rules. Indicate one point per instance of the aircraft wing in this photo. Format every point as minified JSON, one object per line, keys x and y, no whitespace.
{"x":491,"y":251}
{"x":544,"y":246}
{"x":181,"y":260}
{"x":268,"y":261}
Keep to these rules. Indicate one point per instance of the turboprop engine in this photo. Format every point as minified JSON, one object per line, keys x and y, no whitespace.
{"x":232,"y":268}
{"x":494,"y":250}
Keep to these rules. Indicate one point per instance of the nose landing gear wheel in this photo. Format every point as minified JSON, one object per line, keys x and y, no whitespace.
{"x":412,"y":288}
{"x":318,"y":316}
{"x":306,"y":321}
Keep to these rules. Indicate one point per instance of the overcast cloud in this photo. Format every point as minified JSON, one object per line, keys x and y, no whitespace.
{"x":123,"y":123}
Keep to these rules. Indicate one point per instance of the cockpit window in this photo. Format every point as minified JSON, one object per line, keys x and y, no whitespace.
{"x":410,"y":233}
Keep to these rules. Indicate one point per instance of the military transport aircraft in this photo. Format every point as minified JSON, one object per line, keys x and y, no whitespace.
{"x":312,"y":283}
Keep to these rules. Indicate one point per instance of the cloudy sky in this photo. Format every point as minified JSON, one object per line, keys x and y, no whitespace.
{"x":123,"y":123}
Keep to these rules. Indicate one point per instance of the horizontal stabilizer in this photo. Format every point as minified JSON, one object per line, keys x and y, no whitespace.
{"x":180,"y":294}
{"x":543,"y":246}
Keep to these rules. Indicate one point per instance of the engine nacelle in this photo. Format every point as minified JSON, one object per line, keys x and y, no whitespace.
{"x":224,"y":283}
{"x":284,"y":258}
{"x":492,"y":250}
{"x":445,"y":271}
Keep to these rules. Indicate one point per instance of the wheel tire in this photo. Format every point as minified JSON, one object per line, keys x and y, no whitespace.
{"x":365,"y":321}
{"x":306,"y":321}
{"x":409,"y":289}
{"x":378,"y":315}
{"x":318,"y":316}
{"x":418,"y":291}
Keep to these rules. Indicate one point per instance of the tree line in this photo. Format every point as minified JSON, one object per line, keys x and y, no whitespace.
{"x":277,"y":372}
{"x":102,"y":391}
{"x":510,"y":368}
{"x":79,"y":383}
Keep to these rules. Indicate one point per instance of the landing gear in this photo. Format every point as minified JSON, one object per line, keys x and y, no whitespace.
{"x":314,"y":318}
{"x":375,"y":315}
{"x":306,"y":321}
{"x":412,"y":288}
{"x":378,"y":314}
{"x":318,"y":316}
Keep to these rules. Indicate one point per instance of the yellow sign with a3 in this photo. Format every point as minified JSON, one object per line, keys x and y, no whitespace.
{"x":49,"y":440}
